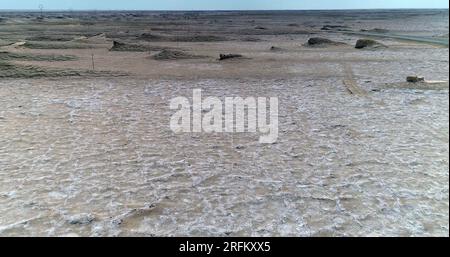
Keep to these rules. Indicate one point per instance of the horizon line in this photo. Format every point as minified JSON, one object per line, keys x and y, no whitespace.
{"x":218,"y":10}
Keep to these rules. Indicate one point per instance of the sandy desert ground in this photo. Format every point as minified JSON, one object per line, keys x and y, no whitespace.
{"x":86,"y":148}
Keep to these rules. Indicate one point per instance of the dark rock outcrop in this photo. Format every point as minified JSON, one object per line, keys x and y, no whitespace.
{"x":174,"y":55}
{"x":415,"y":79}
{"x":275,"y":48}
{"x":368,"y":43}
{"x":335,"y":27}
{"x":229,"y":56}
{"x":124,"y":47}
{"x":323,"y":42}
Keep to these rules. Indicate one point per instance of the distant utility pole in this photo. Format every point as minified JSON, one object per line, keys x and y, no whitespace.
{"x":41,"y":8}
{"x":93,"y":63}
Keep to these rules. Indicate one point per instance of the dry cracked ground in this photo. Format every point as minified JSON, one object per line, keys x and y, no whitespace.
{"x":89,"y":152}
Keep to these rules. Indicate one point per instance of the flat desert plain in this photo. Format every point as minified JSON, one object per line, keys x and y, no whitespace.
{"x":86,"y":148}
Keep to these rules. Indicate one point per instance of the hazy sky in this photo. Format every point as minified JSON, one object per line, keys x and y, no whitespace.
{"x":219,"y":4}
